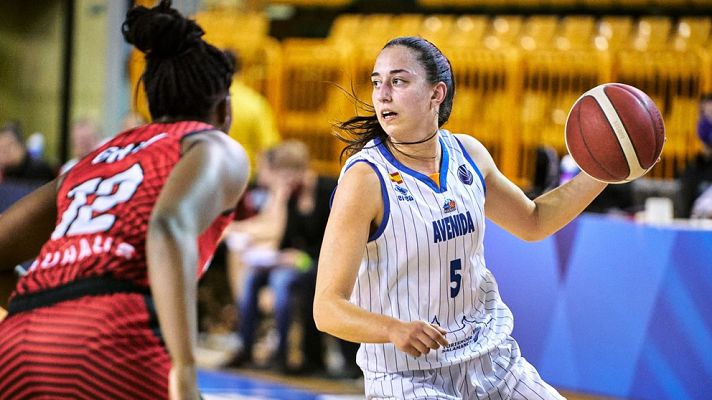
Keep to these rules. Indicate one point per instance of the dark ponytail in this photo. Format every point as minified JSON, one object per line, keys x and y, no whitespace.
{"x":362,"y":129}
{"x":184,"y":75}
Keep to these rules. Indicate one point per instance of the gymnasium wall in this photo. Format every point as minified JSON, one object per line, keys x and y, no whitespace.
{"x":31,"y":62}
{"x":30,"y":65}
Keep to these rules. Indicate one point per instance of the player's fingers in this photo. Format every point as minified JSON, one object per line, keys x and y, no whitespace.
{"x":412,"y":351}
{"x":438,"y":334}
{"x":428,"y":339}
{"x":420,"y":347}
{"x":440,"y":329}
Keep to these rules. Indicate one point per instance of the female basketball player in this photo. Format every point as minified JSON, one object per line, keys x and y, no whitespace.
{"x":107,"y":310}
{"x":402,"y":267}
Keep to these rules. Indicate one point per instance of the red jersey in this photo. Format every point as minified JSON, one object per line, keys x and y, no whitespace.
{"x":103,"y":209}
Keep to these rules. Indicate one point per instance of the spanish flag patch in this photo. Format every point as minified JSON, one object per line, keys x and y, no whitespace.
{"x":395,"y":177}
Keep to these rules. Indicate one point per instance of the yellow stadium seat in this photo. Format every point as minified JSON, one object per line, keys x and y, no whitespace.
{"x":407,"y":25}
{"x":315,"y":74}
{"x":345,"y":27}
{"x":652,"y":33}
{"x":675,"y":81}
{"x":504,"y":31}
{"x":575,"y":32}
{"x":692,"y":32}
{"x":539,"y":31}
{"x":223,"y":27}
{"x":614,"y":32}
{"x":437,"y":28}
{"x":314,"y":3}
{"x":468,"y":30}
{"x":486,"y":95}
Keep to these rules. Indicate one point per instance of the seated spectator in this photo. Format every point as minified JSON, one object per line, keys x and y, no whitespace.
{"x":278,"y":247}
{"x":697,"y":176}
{"x":16,"y":164}
{"x":546,"y":171}
{"x":85,"y":137}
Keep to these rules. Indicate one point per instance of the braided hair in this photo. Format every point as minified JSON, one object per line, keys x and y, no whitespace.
{"x":185,"y":76}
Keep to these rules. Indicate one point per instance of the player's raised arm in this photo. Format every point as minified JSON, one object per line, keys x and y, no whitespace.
{"x":529,"y":219}
{"x":357,"y":209}
{"x":206,"y":182}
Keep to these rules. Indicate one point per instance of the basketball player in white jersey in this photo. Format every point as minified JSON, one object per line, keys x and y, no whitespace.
{"x":402,"y":267}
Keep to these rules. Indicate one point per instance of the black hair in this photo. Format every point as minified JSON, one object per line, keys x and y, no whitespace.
{"x":184,"y":75}
{"x":706,"y":97}
{"x":362,"y":129}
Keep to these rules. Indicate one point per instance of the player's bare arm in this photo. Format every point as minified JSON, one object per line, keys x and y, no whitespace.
{"x":208,"y":180}
{"x":24,"y":228}
{"x":27,"y":225}
{"x":530,"y":220}
{"x":357,"y":209}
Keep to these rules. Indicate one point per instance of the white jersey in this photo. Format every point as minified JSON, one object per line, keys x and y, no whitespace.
{"x":426,"y":262}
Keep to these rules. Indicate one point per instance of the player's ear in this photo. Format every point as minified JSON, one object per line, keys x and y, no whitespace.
{"x":438,"y":95}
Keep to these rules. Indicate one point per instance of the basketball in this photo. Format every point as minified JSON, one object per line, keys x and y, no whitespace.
{"x":615,"y":133}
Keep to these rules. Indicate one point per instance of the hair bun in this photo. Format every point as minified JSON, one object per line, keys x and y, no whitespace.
{"x":160,"y":31}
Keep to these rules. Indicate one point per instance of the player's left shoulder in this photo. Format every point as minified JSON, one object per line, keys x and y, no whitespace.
{"x":476,"y":150}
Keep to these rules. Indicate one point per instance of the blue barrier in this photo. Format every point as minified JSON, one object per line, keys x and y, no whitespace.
{"x":612,"y":307}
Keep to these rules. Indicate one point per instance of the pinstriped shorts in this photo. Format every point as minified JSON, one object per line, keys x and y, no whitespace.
{"x":474,"y":379}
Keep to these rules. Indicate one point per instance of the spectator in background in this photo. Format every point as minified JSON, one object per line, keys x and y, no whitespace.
{"x":16,"y":164}
{"x":697,"y":176}
{"x":85,"y":137}
{"x":253,"y":125}
{"x":279,"y":247}
{"x":546,"y":171}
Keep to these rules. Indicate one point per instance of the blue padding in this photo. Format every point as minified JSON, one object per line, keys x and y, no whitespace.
{"x":628,"y":314}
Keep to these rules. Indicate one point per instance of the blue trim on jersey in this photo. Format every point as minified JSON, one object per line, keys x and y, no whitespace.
{"x":384,"y":195}
{"x":474,"y":166}
{"x":444,"y":163}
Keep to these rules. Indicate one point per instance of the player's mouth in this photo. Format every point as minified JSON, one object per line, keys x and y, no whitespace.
{"x":388,"y":115}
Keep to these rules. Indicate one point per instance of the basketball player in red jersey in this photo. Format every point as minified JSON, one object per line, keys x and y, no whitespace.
{"x":107,"y":310}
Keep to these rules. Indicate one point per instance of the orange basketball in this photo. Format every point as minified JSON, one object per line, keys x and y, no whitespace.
{"x":615,"y":133}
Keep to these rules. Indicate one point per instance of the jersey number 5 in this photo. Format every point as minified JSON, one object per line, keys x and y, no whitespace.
{"x":455,"y":277}
{"x":82,"y":217}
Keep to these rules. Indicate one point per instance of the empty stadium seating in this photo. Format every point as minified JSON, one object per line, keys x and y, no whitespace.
{"x":517,"y":75}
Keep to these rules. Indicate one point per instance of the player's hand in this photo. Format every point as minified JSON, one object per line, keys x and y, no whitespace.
{"x":417,"y":337}
{"x":182,"y":383}
{"x":3,"y":314}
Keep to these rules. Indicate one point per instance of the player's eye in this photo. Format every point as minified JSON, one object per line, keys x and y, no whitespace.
{"x":375,"y":83}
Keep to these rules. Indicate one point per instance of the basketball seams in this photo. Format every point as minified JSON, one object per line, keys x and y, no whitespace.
{"x":634,"y":168}
{"x":584,"y":141}
{"x":656,"y":120}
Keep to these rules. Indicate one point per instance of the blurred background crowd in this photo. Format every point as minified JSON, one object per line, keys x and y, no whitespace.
{"x":68,"y":82}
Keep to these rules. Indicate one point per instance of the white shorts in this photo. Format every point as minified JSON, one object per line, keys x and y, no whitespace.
{"x":474,"y":379}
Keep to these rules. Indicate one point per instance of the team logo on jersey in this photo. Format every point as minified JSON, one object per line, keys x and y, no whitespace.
{"x":403,"y":193}
{"x":395,"y":177}
{"x":465,"y":175}
{"x":449,"y":205}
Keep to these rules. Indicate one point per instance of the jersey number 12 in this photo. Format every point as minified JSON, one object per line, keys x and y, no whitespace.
{"x":82,"y":218}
